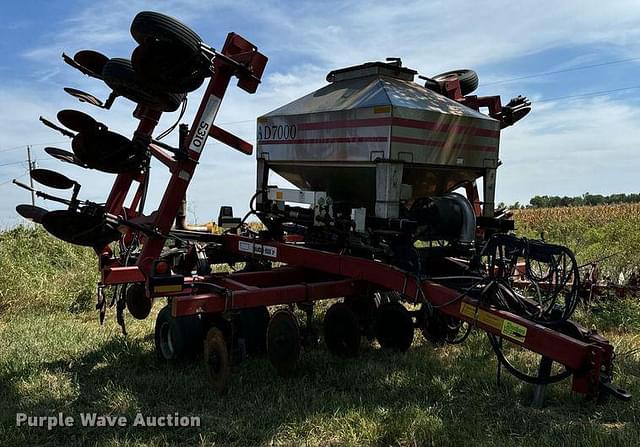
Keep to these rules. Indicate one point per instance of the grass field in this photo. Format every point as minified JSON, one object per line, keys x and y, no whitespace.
{"x":54,"y":357}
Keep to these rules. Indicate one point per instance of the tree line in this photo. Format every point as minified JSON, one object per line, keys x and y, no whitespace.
{"x":583,"y":200}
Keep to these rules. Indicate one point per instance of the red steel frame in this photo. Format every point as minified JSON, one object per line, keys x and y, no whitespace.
{"x":310,"y":274}
{"x":238,"y":58}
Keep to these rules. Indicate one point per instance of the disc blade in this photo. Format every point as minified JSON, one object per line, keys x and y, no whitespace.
{"x":283,"y":341}
{"x":31,"y":212}
{"x":76,"y":120}
{"x":80,"y":228}
{"x":62,"y":155}
{"x":92,"y":61}
{"x":52,"y":179}
{"x":84,"y":96}
{"x":107,"y":151}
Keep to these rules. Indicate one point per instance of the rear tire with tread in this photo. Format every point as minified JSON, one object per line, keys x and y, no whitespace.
{"x":468,"y":79}
{"x":149,"y":25}
{"x":168,"y":57}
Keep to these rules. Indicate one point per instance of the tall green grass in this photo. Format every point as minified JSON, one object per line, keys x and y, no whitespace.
{"x":40,"y":273}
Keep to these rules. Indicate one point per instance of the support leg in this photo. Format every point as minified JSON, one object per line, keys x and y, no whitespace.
{"x":544,"y":371}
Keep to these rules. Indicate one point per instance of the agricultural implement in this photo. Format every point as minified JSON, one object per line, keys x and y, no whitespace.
{"x":387,"y":217}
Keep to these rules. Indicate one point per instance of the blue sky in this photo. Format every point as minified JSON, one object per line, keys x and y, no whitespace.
{"x":564,"y":147}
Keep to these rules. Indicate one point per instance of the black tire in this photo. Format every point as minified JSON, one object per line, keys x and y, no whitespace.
{"x":119,"y":75}
{"x":342,"y":331}
{"x":149,"y":25}
{"x":168,"y":57}
{"x":468,"y":79}
{"x":177,"y":338}
{"x":167,"y":67}
{"x":394,"y":327}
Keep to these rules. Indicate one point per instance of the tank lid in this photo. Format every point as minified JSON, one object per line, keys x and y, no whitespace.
{"x":393,"y":69}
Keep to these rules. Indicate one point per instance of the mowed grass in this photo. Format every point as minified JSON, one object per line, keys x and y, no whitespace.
{"x":61,"y":362}
{"x":55,"y":357}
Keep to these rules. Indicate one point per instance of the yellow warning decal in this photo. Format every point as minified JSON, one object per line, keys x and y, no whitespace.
{"x":279,"y":195}
{"x":382,"y":109}
{"x":506,"y":327}
{"x":481,"y":315}
{"x":514,"y":330}
{"x":168,"y":288}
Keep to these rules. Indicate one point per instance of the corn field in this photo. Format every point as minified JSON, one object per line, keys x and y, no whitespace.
{"x":592,"y":232}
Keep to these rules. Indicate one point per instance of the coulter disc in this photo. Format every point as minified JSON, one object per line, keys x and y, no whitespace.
{"x":342,"y":331}
{"x":283,"y":341}
{"x":107,"y":151}
{"x":216,"y":360}
{"x":79,"y":228}
{"x":31,"y":212}
{"x":394,"y":327}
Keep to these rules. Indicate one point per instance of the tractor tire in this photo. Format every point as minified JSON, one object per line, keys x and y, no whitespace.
{"x":119,"y":75}
{"x":394,"y":327}
{"x":468,"y":79}
{"x":177,"y":338}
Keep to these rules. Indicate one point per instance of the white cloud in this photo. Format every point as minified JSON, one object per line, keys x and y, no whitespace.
{"x":435,"y":35}
{"x":568,"y":148}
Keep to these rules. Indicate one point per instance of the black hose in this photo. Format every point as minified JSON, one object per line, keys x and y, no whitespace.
{"x":495,"y":344}
{"x":561,"y":273}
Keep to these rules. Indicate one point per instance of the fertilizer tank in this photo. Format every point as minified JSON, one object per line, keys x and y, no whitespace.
{"x":374,"y":138}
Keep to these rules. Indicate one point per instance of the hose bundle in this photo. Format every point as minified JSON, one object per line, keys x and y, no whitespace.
{"x":550,"y":272}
